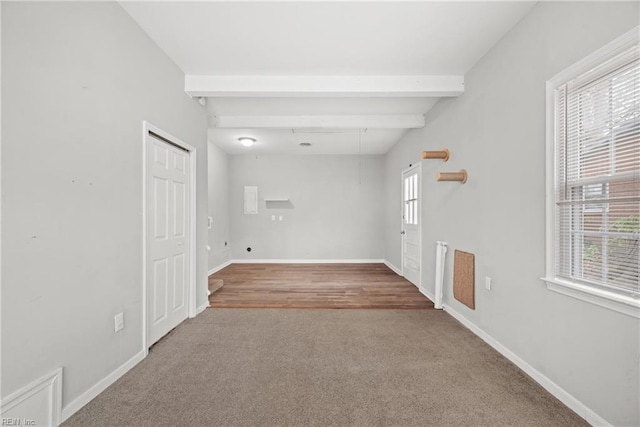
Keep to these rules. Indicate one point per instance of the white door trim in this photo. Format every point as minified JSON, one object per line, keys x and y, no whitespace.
{"x":192,"y":309}
{"x":417,"y":167}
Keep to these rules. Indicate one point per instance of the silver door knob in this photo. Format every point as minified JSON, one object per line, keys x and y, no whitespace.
{"x":402,"y":232}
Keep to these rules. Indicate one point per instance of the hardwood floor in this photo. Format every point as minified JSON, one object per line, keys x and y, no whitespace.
{"x":315,"y":286}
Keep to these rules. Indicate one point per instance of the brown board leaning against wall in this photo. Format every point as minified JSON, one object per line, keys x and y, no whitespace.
{"x":464,"y":278}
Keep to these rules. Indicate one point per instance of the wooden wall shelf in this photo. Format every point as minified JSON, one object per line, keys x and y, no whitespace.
{"x":442,"y":154}
{"x":461,"y":176}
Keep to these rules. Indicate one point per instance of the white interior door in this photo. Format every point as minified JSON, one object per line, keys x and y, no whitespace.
{"x":411,"y":253}
{"x":168,"y":236}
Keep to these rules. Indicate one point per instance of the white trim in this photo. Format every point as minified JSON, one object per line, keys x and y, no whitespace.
{"x":606,"y":52}
{"x":203,"y":307}
{"x":220,"y":267}
{"x":145,"y":324}
{"x":550,"y":187}
{"x":561,"y":394}
{"x":307,"y":261}
{"x":101,"y":385}
{"x":1,"y":187}
{"x":313,"y":86}
{"x":427,"y":294}
{"x":377,"y":121}
{"x":191,"y":312}
{"x":402,"y":222}
{"x":194,"y":230}
{"x":51,"y":384}
{"x":611,"y":300}
{"x":392,"y":267}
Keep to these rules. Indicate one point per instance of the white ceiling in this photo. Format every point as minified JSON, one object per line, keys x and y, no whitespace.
{"x":326,"y":38}
{"x":334,"y":141}
{"x":323,"y":141}
{"x":349,"y":40}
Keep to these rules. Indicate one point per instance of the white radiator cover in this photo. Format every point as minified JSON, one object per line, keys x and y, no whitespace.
{"x":441,"y":256}
{"x":37,"y":404}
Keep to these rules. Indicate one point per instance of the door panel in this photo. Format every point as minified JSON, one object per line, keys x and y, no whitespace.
{"x":159,"y":287}
{"x":160,"y":208}
{"x":179,"y":219}
{"x":168,"y":202}
{"x":161,"y":155}
{"x":179,"y":162}
{"x":411,"y":231}
{"x":179,"y":286}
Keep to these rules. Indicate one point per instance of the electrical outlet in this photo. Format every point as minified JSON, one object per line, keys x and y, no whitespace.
{"x":118,"y":321}
{"x":280,"y":217}
{"x":488,"y":282}
{"x":273,"y":217}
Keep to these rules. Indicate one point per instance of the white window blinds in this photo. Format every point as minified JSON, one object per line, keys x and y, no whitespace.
{"x":597,"y":185}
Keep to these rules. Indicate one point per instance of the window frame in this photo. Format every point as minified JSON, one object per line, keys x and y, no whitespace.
{"x":411,"y":212}
{"x":602,"y":193}
{"x":610,"y":299}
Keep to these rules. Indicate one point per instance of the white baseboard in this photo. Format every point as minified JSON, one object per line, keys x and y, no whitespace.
{"x":202,"y":308}
{"x":307,"y":261}
{"x":427,"y":294}
{"x":574,"y":404}
{"x":220,"y":267}
{"x":101,"y":385}
{"x":39,"y":402}
{"x":392,"y":267}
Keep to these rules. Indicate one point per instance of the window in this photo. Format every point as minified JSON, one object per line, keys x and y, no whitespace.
{"x":595,"y":192}
{"x":593,"y":208}
{"x":411,"y":200}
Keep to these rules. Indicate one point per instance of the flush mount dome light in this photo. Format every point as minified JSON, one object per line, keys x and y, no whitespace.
{"x":246,"y":141}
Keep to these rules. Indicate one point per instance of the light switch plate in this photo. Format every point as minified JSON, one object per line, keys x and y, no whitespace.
{"x":119,"y":322}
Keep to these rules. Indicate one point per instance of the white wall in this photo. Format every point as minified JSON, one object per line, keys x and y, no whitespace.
{"x":496,"y":131}
{"x":333,"y":213}
{"x":78,"y":79}
{"x":218,"y":206}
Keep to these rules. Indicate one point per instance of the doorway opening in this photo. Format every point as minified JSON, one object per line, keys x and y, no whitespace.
{"x":411,"y":224}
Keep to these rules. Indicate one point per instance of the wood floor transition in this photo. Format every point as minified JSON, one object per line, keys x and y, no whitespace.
{"x":372,"y":286}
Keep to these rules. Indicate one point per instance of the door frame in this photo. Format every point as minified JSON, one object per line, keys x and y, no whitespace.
{"x":418,"y":168}
{"x":191,"y":293}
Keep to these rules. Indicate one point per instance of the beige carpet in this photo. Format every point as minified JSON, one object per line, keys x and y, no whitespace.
{"x":270,"y":367}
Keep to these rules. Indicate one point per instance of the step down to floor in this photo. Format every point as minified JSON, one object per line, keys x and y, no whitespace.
{"x":214,"y":285}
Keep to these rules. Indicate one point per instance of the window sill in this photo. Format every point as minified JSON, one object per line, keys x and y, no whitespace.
{"x":621,"y":303}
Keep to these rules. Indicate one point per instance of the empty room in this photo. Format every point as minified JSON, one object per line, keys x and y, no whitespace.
{"x":327,"y":213}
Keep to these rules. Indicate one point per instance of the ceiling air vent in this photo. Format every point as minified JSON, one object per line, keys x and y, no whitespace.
{"x":305,"y":144}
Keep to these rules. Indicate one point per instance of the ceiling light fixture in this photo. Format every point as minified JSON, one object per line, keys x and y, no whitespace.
{"x":246,"y":141}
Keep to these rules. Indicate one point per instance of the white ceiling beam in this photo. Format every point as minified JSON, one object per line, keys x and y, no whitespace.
{"x":391,"y":121}
{"x":324,"y":86}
